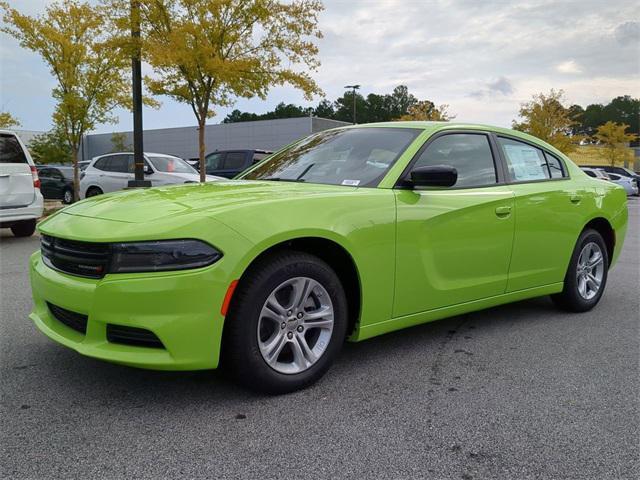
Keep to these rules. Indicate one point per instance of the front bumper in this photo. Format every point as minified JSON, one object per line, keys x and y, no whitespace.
{"x":181,"y":308}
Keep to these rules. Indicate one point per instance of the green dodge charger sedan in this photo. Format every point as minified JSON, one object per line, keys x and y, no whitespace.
{"x":347,"y":234}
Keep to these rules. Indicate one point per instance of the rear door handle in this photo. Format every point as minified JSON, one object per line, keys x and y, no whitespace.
{"x":504,"y":211}
{"x":575,"y":198}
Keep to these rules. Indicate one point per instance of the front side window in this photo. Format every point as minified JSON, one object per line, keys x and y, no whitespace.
{"x":469,"y":153}
{"x":171,"y":165}
{"x":350,"y":157}
{"x":213,"y":161}
{"x":524,"y":162}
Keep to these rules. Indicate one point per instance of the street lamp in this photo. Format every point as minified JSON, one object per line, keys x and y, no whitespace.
{"x":136,"y":80}
{"x":354,"y":88}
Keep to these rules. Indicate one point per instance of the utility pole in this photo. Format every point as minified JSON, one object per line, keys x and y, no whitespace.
{"x":136,"y":79}
{"x":354,"y":88}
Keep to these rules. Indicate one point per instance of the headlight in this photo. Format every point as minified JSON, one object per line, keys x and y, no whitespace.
{"x":162,"y":255}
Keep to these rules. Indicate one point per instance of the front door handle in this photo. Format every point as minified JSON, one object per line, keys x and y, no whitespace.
{"x":504,"y":211}
{"x":575,"y":198}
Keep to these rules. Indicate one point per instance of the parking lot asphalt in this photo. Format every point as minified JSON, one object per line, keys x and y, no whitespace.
{"x":515,"y":392}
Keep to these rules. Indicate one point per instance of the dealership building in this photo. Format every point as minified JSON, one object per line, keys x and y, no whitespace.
{"x":183,"y":141}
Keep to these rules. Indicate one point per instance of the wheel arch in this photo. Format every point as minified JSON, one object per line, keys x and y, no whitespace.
{"x":334,"y":254}
{"x":604,"y":228}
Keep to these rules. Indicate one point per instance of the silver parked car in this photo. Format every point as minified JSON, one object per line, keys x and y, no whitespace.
{"x":628,"y":183}
{"x":112,"y":172}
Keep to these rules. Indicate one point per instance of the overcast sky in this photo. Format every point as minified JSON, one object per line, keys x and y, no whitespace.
{"x":482,"y":57}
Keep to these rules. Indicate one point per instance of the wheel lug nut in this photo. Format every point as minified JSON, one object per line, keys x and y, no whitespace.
{"x":290,"y":335}
{"x":300,"y":315}
{"x":289,"y":312}
{"x":300,"y":328}
{"x":283,"y":325}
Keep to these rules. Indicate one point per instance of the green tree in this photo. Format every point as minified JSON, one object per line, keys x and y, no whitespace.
{"x":8,"y":121}
{"x":205,"y":52}
{"x":615,"y":139}
{"x":426,"y":110}
{"x":50,"y":147}
{"x":546,"y":117}
{"x":119,"y":142}
{"x":75,"y":40}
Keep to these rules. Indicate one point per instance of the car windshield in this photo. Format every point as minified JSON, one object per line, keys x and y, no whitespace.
{"x":171,"y":165}
{"x":352,"y":157}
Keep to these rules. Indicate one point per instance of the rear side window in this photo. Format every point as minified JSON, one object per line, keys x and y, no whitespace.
{"x":102,"y":163}
{"x":555,"y":166}
{"x":113,"y":163}
{"x":469,"y":153}
{"x":234,"y":161}
{"x":10,"y":150}
{"x":524,"y":162}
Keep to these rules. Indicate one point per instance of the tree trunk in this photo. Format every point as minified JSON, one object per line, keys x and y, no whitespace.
{"x":76,"y":176}
{"x":201,"y":147}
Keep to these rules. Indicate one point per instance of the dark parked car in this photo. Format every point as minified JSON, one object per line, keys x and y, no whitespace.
{"x":229,"y":163}
{"x":56,"y":183}
{"x":625,"y":172}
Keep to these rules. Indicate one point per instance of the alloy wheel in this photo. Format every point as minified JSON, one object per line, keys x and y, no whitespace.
{"x":590,"y":270}
{"x":295,"y":325}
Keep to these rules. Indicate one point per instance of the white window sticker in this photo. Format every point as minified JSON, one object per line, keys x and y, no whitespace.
{"x":352,"y":183}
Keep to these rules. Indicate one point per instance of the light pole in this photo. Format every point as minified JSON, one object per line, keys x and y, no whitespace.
{"x":353,"y":88}
{"x":136,"y":80}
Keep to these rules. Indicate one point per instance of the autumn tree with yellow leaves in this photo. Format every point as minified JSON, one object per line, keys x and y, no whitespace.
{"x":207,"y":52}
{"x":615,"y":139}
{"x":76,"y":41}
{"x":8,"y":121}
{"x":547,"y":118}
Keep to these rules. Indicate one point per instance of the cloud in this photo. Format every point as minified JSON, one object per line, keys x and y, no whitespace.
{"x":628,"y":33}
{"x":482,"y":58}
{"x":568,"y":66}
{"x":501,"y":86}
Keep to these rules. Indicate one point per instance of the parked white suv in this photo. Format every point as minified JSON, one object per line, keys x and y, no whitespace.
{"x":21,"y":202}
{"x":111,"y":172}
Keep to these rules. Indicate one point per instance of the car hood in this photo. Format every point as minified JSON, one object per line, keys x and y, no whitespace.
{"x":146,"y":205}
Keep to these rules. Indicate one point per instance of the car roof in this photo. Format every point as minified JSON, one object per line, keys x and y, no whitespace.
{"x":441,"y":126}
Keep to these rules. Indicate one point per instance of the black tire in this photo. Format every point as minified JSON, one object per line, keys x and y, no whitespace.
{"x":241,"y":354}
{"x":24,"y":228}
{"x":93,"y":191}
{"x":67,"y":196}
{"x":570,"y":299}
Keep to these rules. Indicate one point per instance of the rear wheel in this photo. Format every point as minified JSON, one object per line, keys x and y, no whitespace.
{"x":586,"y":276}
{"x":286,"y":324}
{"x":67,"y":196}
{"x":24,"y":228}
{"x":93,"y":191}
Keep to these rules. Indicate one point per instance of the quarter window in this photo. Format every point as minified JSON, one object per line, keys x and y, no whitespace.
{"x":525,"y":162}
{"x":555,"y":166}
{"x":469,"y":153}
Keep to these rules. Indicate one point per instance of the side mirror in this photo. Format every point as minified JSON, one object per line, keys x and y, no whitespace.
{"x":434,"y":176}
{"x":148,"y":170}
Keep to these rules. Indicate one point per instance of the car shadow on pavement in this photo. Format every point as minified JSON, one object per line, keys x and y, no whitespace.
{"x":89,"y":380}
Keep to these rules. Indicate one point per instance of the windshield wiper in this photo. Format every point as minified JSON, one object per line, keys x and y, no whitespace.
{"x":279,"y":179}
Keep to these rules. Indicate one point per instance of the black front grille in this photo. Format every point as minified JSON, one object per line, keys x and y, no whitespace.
{"x":74,"y":320}
{"x":138,"y":337}
{"x":77,"y":258}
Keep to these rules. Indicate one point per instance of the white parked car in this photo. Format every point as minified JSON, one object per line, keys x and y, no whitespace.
{"x":628,"y":183}
{"x":595,"y":173}
{"x":21,"y":202}
{"x":111,"y":172}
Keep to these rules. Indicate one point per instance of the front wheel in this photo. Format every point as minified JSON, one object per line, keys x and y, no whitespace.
{"x":286,"y":324}
{"x":586,"y":276}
